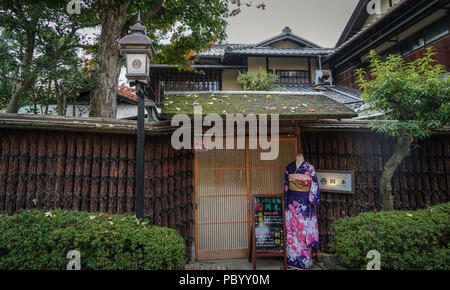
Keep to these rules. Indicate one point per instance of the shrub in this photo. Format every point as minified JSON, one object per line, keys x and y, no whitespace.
{"x":40,"y":240}
{"x":259,"y":80}
{"x":406,"y":240}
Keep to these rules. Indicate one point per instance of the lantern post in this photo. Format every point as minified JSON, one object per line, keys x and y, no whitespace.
{"x":138,"y":50}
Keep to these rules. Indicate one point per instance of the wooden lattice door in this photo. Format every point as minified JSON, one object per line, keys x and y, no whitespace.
{"x":224,"y":182}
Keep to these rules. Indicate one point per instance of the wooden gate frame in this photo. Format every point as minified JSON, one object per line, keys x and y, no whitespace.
{"x":294,"y":139}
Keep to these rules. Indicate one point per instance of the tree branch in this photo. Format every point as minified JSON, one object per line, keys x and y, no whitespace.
{"x":5,"y":76}
{"x":85,"y":46}
{"x":152,"y":12}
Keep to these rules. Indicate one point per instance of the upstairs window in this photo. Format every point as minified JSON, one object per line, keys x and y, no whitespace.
{"x":436,"y":31}
{"x":293,"y":77}
{"x":203,"y":80}
{"x":413,"y":44}
{"x":426,"y":36}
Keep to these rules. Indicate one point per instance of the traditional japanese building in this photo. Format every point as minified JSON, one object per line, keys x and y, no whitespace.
{"x":89,"y":164}
{"x":292,"y":58}
{"x":226,"y":180}
{"x":403,"y":27}
{"x":319,"y":108}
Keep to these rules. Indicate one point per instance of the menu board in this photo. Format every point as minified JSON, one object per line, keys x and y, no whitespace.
{"x":268,"y":226}
{"x":268,"y":223}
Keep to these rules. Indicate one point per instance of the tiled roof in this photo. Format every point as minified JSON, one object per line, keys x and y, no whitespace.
{"x":264,"y":48}
{"x":349,"y":97}
{"x":251,"y":49}
{"x":287,"y":34}
{"x":127,"y":93}
{"x":286,"y":105}
{"x":280,"y":51}
{"x":216,"y":51}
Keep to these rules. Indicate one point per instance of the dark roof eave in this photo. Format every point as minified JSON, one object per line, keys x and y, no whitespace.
{"x":201,"y":66}
{"x":99,"y":125}
{"x":350,"y":125}
{"x":279,"y":54}
{"x":216,"y":56}
{"x":356,"y":15}
{"x":168,"y":116}
{"x":126,"y":99}
{"x":362,"y":34}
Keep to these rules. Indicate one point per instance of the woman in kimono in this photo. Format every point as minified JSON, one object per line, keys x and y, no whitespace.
{"x":301,"y":195}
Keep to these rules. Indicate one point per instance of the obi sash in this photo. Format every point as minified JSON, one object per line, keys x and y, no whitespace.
{"x":299,"y":182}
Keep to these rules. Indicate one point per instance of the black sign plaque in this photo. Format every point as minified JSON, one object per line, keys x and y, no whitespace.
{"x":268,"y":234}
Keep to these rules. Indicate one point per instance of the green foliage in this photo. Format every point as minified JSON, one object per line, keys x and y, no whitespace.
{"x":189,"y":26}
{"x":49,"y":70}
{"x":414,"y":95}
{"x":259,"y":80}
{"x":40,"y":240}
{"x":7,"y":64}
{"x":39,"y":56}
{"x":406,"y":240}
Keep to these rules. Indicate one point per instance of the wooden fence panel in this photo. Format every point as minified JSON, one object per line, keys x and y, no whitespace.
{"x":32,"y":170}
{"x":78,"y":173}
{"x":96,"y":172}
{"x":421,"y":180}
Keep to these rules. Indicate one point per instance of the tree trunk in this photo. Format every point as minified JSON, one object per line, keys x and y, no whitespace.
{"x":402,"y":150}
{"x":47,"y":102}
{"x":64,"y":102}
{"x":74,"y":105}
{"x":104,"y":97}
{"x":58,"y":99}
{"x":12,"y":106}
{"x":27,"y":78}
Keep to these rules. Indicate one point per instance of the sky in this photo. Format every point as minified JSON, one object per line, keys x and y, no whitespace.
{"x":320,"y":21}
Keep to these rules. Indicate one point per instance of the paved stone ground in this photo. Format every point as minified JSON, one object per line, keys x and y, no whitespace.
{"x":244,"y":264}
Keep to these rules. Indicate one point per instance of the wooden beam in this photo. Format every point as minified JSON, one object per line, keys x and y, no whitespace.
{"x":309,"y":68}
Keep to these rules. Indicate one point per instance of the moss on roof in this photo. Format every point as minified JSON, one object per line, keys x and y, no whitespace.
{"x":290,"y":106}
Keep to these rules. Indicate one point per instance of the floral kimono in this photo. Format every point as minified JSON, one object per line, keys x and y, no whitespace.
{"x":301,"y":195}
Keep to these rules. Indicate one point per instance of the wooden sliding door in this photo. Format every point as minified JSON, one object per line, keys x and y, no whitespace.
{"x":224,"y":182}
{"x":267,"y":176}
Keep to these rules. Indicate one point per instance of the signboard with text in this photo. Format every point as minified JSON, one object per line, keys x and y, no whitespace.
{"x":200,"y":144}
{"x":268,"y":234}
{"x":336,"y":181}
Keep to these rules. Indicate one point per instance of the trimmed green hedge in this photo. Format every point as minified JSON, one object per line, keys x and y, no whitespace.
{"x":40,"y":239}
{"x":406,"y":240}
